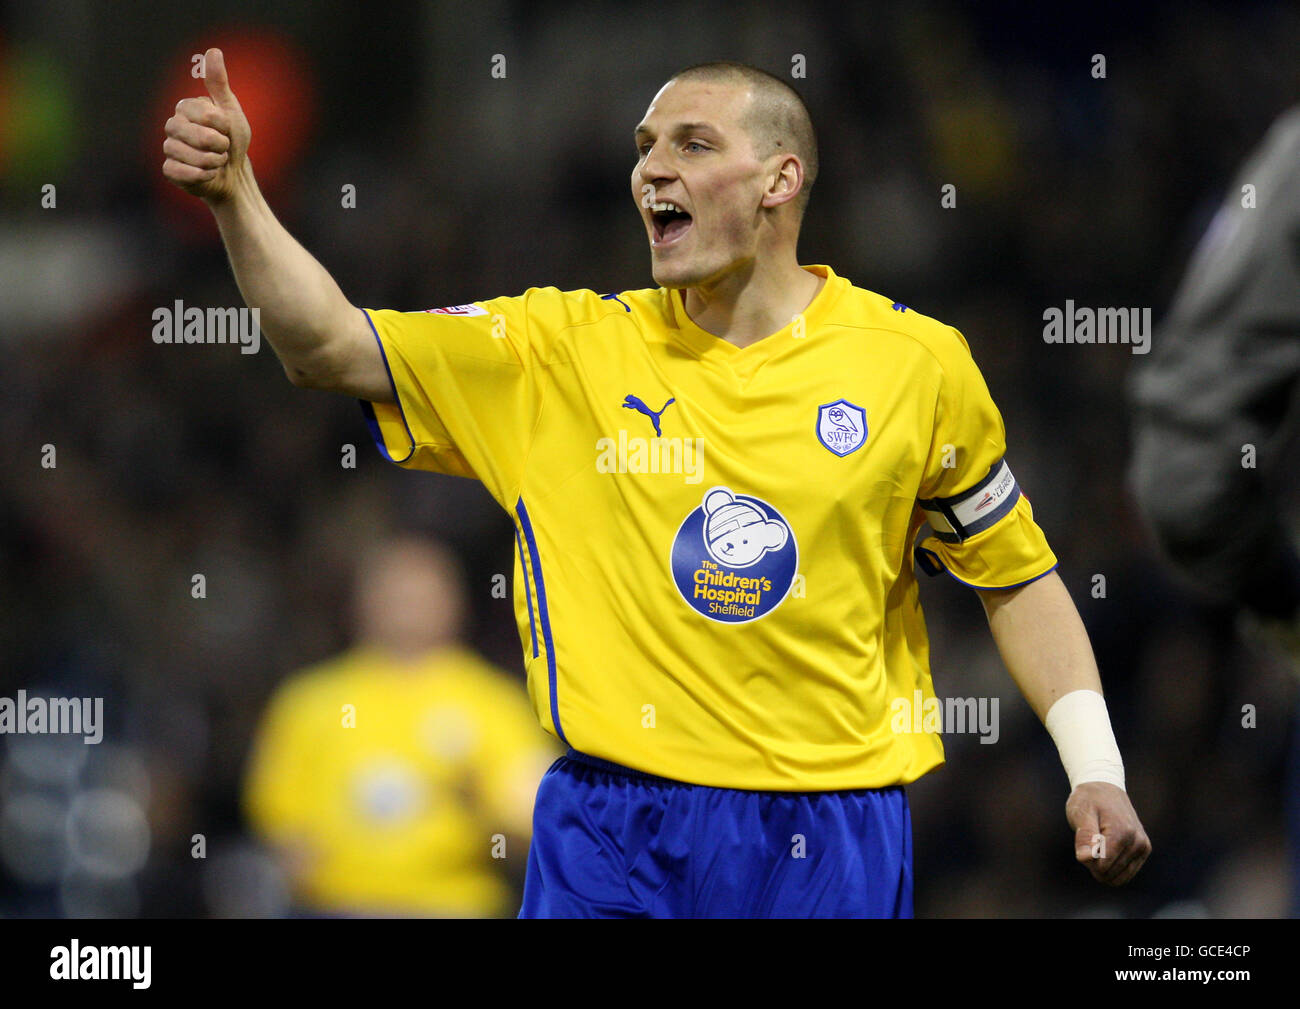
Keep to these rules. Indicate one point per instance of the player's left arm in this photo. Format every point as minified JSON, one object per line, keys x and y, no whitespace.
{"x":1046,"y":650}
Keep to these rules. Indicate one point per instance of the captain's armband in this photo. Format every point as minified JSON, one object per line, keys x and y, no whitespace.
{"x":963,"y":515}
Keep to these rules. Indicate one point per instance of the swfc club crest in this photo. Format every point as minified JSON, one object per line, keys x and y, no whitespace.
{"x":841,"y":426}
{"x":734,"y":557}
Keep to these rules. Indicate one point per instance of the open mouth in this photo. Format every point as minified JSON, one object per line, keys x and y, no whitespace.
{"x":670,"y":223}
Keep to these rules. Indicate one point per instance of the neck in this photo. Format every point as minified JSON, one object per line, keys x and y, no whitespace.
{"x":409,"y":654}
{"x":752,"y":302}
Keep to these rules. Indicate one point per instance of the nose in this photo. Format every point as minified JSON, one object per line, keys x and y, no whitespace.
{"x":654,"y":166}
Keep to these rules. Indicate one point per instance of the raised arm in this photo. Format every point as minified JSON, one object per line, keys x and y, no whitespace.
{"x":1046,"y":650}
{"x":322,"y":340}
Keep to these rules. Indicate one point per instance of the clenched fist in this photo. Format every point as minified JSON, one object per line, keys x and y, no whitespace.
{"x":207,"y":138}
{"x":1108,"y":837}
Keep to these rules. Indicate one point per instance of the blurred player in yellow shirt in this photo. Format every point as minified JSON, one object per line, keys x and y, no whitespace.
{"x":398,"y":778}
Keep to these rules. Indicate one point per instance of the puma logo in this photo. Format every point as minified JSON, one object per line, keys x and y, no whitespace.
{"x":635,"y":403}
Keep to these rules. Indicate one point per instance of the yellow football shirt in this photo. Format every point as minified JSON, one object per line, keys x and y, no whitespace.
{"x":714,"y":570}
{"x":403,"y":786}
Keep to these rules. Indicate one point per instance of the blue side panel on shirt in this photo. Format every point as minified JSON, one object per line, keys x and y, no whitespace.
{"x":535,"y":561}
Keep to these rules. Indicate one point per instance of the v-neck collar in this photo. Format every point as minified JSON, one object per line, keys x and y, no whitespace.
{"x":706,"y":345}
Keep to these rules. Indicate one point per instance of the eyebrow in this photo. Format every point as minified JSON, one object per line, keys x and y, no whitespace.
{"x":679,"y":129}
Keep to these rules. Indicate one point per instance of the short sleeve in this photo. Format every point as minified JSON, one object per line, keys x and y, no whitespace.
{"x":982,"y":526}
{"x":465,"y":381}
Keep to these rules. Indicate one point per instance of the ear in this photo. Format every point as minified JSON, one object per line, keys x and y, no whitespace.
{"x":715,"y":499}
{"x":775,"y":535}
{"x":785,"y":182}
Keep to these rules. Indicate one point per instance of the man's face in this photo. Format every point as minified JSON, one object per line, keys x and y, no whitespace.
{"x":408,"y":600}
{"x":694,"y":153}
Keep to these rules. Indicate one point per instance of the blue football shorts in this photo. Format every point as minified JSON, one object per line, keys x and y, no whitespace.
{"x":612,"y":842}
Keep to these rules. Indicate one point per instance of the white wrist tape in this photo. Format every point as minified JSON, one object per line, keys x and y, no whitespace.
{"x":1080,"y":726}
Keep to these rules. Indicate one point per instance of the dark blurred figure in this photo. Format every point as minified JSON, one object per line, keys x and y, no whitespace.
{"x":1216,"y":402}
{"x":398,"y":778}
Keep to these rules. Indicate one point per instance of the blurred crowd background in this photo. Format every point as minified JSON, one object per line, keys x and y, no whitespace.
{"x":177,"y":460}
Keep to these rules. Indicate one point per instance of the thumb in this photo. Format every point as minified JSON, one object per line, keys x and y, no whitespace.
{"x":1085,"y":835}
{"x":218,"y":84}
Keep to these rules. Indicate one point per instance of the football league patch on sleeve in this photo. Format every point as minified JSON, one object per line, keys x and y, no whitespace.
{"x":459,"y":310}
{"x":963,"y":515}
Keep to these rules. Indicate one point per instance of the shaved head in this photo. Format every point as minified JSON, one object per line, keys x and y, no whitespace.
{"x":777,"y":119}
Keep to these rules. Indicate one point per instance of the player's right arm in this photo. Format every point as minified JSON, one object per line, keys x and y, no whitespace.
{"x":321,"y":339}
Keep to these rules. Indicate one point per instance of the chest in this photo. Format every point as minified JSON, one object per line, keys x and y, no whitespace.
{"x":656,"y":420}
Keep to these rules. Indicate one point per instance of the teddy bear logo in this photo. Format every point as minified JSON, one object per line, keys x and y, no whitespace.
{"x":737,"y":533}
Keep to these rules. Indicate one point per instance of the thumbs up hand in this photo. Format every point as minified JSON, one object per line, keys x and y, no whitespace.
{"x":207,"y":138}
